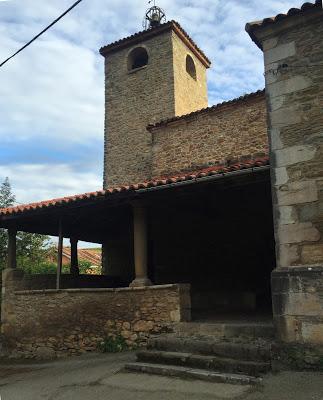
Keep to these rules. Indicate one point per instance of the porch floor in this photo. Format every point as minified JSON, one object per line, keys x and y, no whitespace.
{"x":233,"y":317}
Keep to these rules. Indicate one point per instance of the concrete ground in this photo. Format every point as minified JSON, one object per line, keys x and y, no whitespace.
{"x":100,"y":376}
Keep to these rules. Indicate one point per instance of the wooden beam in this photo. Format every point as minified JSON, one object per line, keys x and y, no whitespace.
{"x":12,"y":248}
{"x":59,"y":253}
{"x":74,"y":270}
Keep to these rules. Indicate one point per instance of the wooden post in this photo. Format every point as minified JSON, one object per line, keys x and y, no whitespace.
{"x":12,"y":248}
{"x":74,"y":270}
{"x":140,"y":246}
{"x":59,"y":254}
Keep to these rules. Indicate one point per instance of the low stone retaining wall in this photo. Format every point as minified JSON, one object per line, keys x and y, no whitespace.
{"x":51,"y":323}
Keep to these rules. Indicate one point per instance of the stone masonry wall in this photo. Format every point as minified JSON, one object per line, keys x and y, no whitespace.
{"x":295,"y":101}
{"x":293,"y":54}
{"x":298,"y":304}
{"x":140,"y":97}
{"x":190,"y":94}
{"x":50,"y":323}
{"x":208,"y":138}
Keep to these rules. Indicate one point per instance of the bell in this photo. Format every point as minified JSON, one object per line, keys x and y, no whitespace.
{"x":154,"y":20}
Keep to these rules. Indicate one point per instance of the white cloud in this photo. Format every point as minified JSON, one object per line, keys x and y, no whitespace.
{"x":36,"y":182}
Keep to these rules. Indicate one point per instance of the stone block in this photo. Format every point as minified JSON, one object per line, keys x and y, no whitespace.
{"x":287,"y":215}
{"x":284,"y":117}
{"x":288,"y":86}
{"x":298,"y":233}
{"x":312,"y":332}
{"x":269,"y":43}
{"x":303,"y":303}
{"x":275,"y":139}
{"x":45,"y":353}
{"x":312,"y":254}
{"x":294,"y":154}
{"x":275,"y":103}
{"x":297,"y":193}
{"x":280,"y":176}
{"x":280,"y":52}
{"x":288,"y":255}
{"x":287,"y":328}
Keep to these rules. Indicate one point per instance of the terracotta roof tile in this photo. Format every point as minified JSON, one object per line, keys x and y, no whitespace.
{"x":258,"y":93}
{"x":252,"y":26}
{"x":162,"y":181}
{"x":135,"y":38}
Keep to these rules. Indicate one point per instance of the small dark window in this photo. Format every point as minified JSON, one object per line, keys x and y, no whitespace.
{"x":190,"y":66}
{"x":137,"y":58}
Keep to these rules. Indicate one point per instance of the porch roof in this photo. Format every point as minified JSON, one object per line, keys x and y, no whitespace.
{"x":90,"y":216}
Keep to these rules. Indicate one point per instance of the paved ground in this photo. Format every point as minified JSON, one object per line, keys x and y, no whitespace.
{"x":98,"y":377}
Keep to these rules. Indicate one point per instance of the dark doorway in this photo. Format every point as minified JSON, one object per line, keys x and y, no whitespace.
{"x":218,"y":238}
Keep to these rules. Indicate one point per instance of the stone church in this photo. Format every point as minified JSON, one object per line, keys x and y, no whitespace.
{"x":210,"y":218}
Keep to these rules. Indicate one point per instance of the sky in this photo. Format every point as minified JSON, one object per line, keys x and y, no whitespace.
{"x":52,"y":94}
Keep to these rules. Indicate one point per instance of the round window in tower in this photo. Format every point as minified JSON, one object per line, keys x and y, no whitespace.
{"x":137,"y":58}
{"x":190,"y":66}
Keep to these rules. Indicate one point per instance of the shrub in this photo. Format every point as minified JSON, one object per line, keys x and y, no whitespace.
{"x":113,"y":344}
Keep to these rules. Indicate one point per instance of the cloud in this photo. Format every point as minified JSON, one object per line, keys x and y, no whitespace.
{"x":46,"y":181}
{"x":52,"y":94}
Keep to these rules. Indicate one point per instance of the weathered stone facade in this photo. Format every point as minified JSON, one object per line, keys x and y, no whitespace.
{"x":298,"y":304}
{"x":213,"y":136}
{"x":293,"y":53}
{"x":143,"y":96}
{"x":50,"y":323}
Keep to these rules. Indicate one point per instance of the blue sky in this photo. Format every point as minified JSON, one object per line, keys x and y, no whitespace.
{"x":52,"y":94}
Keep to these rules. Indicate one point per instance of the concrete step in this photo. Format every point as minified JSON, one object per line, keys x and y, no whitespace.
{"x":191,"y":373}
{"x":223,"y":364}
{"x":252,"y":331}
{"x":208,"y":346}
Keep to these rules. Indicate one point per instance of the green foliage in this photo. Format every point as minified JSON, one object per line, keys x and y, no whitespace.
{"x":41,"y":268}
{"x":113,"y":344}
{"x":7,"y":199}
{"x":32,"y":249}
{"x":84,"y":266}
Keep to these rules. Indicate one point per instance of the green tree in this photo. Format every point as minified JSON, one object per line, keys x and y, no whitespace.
{"x":7,"y":199}
{"x":32,"y":249}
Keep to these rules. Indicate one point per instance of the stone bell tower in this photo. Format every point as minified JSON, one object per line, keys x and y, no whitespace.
{"x":152,"y":75}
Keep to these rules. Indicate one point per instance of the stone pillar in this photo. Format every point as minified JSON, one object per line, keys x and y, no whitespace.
{"x":140,"y":246}
{"x":293,"y":55}
{"x":74,"y":270}
{"x":12,"y":248}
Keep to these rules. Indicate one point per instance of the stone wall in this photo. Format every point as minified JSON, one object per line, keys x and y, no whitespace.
{"x":190,"y":94}
{"x":212,"y":136}
{"x":298,"y":304}
{"x":50,"y":323}
{"x":136,"y":98}
{"x":293,"y":55}
{"x":295,"y":129}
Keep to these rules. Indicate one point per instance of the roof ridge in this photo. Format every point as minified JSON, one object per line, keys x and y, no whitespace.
{"x":152,"y":32}
{"x":206,"y":109}
{"x":251,"y":26}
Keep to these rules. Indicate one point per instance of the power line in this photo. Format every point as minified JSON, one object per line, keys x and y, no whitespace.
{"x":41,"y":33}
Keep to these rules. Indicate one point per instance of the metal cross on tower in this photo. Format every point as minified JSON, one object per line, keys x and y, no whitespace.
{"x":154,"y":16}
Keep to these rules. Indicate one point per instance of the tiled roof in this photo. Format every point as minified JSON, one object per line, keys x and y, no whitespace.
{"x":248,"y":163}
{"x":252,"y":26}
{"x":94,"y":256}
{"x":139,"y":36}
{"x":245,"y":97}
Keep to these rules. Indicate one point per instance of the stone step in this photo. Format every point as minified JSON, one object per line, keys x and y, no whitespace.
{"x":191,"y":373}
{"x":251,"y":331}
{"x":223,"y":364}
{"x":208,"y":346}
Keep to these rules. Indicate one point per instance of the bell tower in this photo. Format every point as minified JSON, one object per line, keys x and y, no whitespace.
{"x":150,"y":76}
